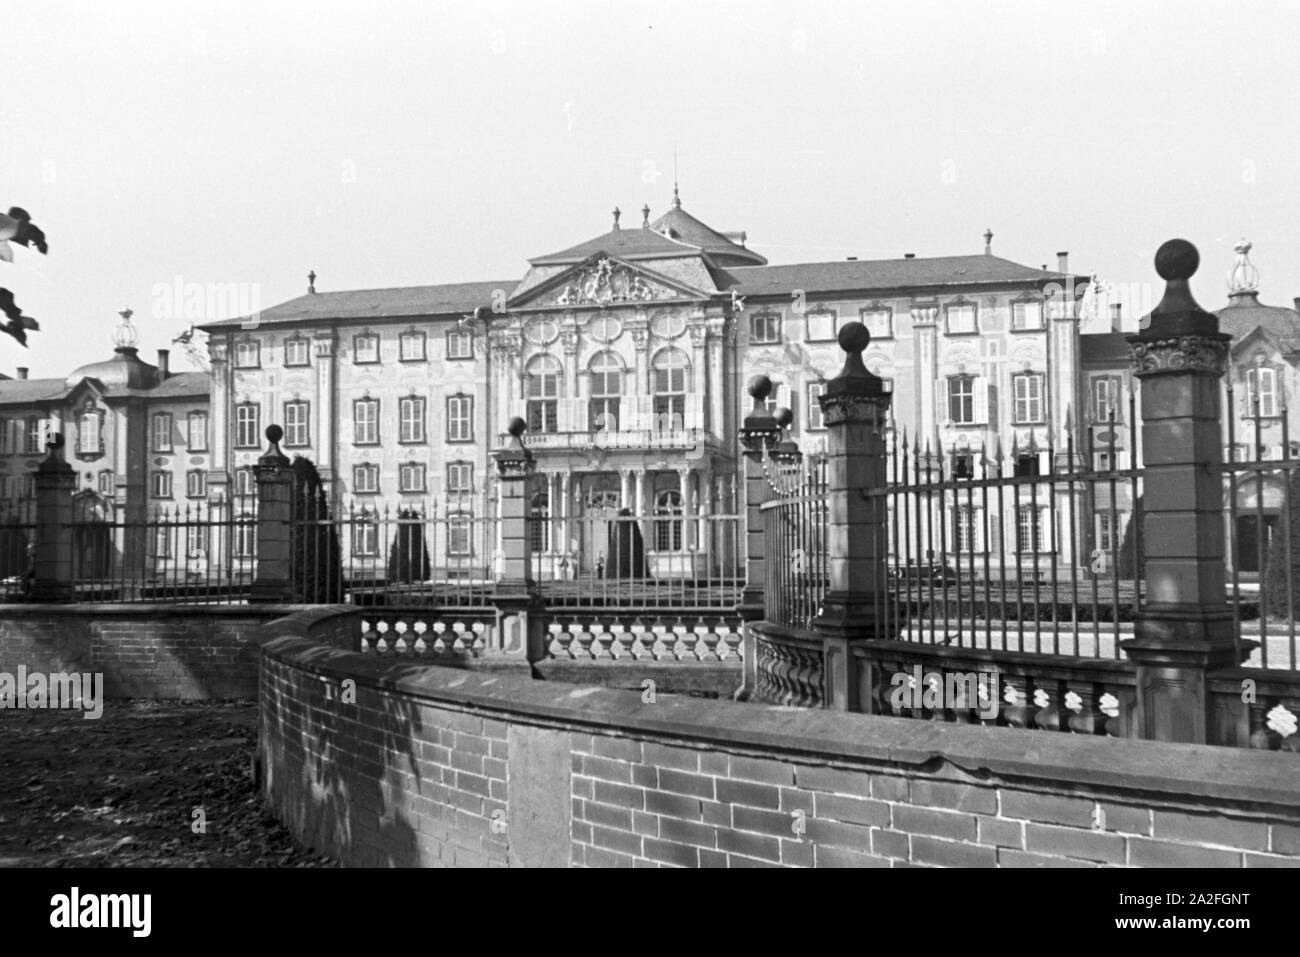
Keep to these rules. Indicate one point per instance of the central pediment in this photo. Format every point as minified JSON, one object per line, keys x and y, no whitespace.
{"x":603,"y":280}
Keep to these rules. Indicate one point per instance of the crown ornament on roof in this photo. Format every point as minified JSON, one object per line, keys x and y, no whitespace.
{"x":124,"y":334}
{"x":1244,"y":277}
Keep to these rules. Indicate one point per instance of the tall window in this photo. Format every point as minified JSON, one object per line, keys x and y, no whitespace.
{"x":248,"y":354}
{"x":365,"y":535}
{"x":460,"y":541}
{"x":160,"y":484}
{"x":670,"y":381}
{"x":106,"y":482}
{"x":6,"y":436}
{"x":162,"y":432}
{"x":35,"y":433}
{"x":245,"y":535}
{"x":460,"y":344}
{"x":961,"y":318}
{"x":248,"y":428}
{"x":365,"y":348}
{"x":1029,"y":529}
{"x":539,"y":529}
{"x":410,"y":346}
{"x":297,"y":432}
{"x":821,"y":324}
{"x":460,"y":478}
{"x":410,"y":477}
{"x":1026,"y":315}
{"x":1028,"y":391}
{"x":963,"y":533}
{"x":196,"y":431}
{"x":88,"y":433}
{"x":196,"y":483}
{"x":162,"y":541}
{"x":1261,"y":388}
{"x":963,"y":465}
{"x":543,"y":392}
{"x":1106,"y":531}
{"x":365,"y":422}
{"x":961,"y":399}
{"x":879,"y":322}
{"x":365,"y":479}
{"x":815,"y":418}
{"x":410,"y":416}
{"x":196,"y":541}
{"x":460,"y":418}
{"x":764,"y":328}
{"x":668,"y":522}
{"x":297,"y":352}
{"x":606,"y":387}
{"x":1105,"y":398}
{"x":245,"y":483}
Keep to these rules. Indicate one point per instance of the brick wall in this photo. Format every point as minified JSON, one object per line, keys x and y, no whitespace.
{"x":144,"y":651}
{"x":420,"y":765}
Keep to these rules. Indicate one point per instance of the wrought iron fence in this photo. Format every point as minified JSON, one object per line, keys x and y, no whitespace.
{"x":423,"y":553}
{"x":671,"y":558}
{"x":194,"y":553}
{"x":794,"y":539}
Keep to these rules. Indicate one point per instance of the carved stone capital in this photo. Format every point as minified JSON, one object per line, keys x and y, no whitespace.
{"x":1203,"y":355}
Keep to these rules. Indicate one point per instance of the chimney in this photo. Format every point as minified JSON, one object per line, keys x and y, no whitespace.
{"x":1063,"y":262}
{"x":1115,"y":310}
{"x":909,"y":255}
{"x":853,"y":259}
{"x":164,"y":356}
{"x":21,"y":372}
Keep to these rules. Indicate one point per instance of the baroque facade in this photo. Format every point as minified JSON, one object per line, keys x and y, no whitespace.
{"x":628,"y":356}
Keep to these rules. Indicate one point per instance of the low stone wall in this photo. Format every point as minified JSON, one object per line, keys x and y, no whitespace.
{"x":144,"y":651}
{"x":390,"y":763}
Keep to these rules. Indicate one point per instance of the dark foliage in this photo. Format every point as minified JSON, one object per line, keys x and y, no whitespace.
{"x":316,"y":557}
{"x":408,"y":558}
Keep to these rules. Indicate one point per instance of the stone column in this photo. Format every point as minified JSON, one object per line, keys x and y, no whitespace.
{"x":55,"y":483}
{"x":518,"y":631}
{"x":1184,"y":627}
{"x":638,"y":497}
{"x":274,"y":581}
{"x":855,"y":407}
{"x":327,"y":426}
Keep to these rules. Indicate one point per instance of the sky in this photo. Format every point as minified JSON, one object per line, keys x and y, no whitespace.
{"x":224,"y":150}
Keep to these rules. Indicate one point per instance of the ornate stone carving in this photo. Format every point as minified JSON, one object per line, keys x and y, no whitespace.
{"x":840,"y":409}
{"x":1181,"y":354}
{"x":603,"y":282}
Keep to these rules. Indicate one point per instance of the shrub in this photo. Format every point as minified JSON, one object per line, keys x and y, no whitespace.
{"x":408,"y":558}
{"x":317,"y":560}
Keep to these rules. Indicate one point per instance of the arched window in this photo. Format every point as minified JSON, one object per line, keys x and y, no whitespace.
{"x":539,"y":531}
{"x":668,"y":529}
{"x":606,"y":387}
{"x":542,"y":388}
{"x":670,"y":380}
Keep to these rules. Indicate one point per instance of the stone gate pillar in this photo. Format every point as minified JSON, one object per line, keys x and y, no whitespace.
{"x":518,"y":625}
{"x":1184,"y":627}
{"x":55,"y":483}
{"x":274,"y":580}
{"x":855,"y":408}
{"x":758,"y":438}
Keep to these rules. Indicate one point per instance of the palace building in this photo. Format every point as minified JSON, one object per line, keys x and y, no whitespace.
{"x":628,"y":356}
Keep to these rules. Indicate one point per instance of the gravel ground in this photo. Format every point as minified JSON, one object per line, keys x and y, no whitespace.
{"x":121,"y":791}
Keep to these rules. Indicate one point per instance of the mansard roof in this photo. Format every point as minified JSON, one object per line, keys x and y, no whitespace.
{"x":886,"y":274}
{"x":446,"y":299}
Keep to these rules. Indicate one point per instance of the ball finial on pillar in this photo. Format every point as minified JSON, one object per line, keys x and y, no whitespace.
{"x":760,"y":387}
{"x":854,"y":337}
{"x":517,"y":427}
{"x":1177,"y":259}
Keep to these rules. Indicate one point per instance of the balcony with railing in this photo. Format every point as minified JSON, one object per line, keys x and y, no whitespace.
{"x":626,"y":423}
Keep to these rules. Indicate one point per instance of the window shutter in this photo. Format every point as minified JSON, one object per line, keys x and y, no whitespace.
{"x":980,"y":388}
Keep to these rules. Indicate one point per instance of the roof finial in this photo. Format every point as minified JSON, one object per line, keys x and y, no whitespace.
{"x":677,"y":200}
{"x":617,"y":214}
{"x":1244,"y":277}
{"x":645,"y":216}
{"x":988,"y":242}
{"x":311,"y":281}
